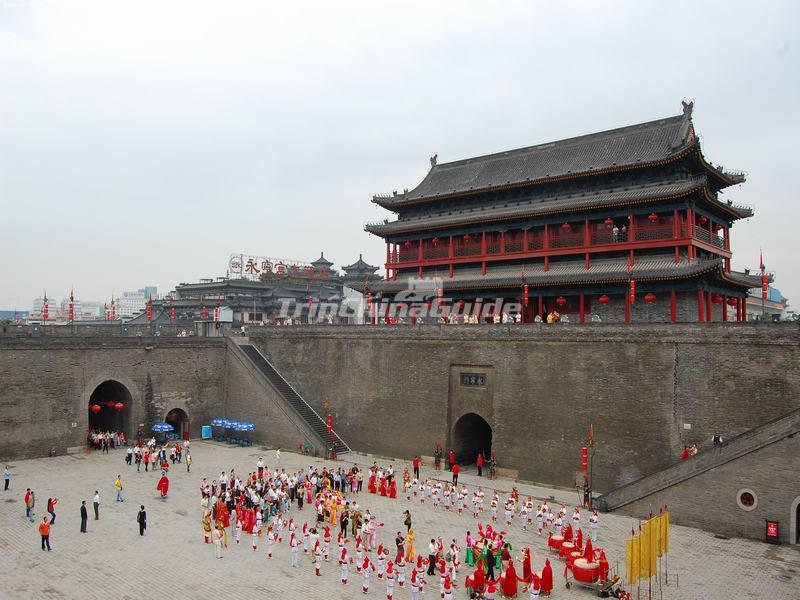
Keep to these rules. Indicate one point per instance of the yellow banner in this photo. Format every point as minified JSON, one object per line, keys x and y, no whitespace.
{"x":632,"y":560}
{"x":664,"y":534}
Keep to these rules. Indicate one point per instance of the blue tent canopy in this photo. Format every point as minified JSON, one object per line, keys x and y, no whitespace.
{"x":161,"y":427}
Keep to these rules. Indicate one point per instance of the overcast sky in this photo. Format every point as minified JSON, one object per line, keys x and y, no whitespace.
{"x":141,"y":143}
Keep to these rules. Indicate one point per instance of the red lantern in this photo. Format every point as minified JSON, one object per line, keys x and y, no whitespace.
{"x":460,"y":304}
{"x":717,"y":227}
{"x":633,"y":291}
{"x":716,"y":299}
{"x":650,"y":297}
{"x":703,"y":220}
{"x":119,"y":406}
{"x":731,"y":301}
{"x":407,"y":244}
{"x":435,"y":241}
{"x":172,"y":314}
{"x":561,"y":301}
{"x":467,"y":237}
{"x":652,"y":217}
{"x":330,"y":423}
{"x":95,"y":408}
{"x":604,"y":299}
{"x":203,"y":312}
{"x":609,"y":222}
{"x":525,"y":294}
{"x":584,"y":459}
{"x":216,"y":313}
{"x":369,"y":299}
{"x":566,"y":227}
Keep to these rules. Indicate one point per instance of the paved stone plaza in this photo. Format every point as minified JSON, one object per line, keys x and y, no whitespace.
{"x":171,"y":561}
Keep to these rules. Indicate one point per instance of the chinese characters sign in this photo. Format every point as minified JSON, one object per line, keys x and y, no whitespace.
{"x":264,"y":268}
{"x":473,"y":379}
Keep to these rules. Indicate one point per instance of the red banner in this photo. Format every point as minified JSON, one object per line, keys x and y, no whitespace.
{"x":216,"y":313}
{"x":633,"y":291}
{"x":764,"y":286}
{"x":172,"y":314}
{"x":525,"y":294}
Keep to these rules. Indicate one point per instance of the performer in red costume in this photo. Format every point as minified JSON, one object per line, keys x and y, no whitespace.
{"x":163,"y":484}
{"x":508,"y":580}
{"x":547,"y":578}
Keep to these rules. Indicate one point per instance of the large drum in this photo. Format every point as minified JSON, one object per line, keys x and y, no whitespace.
{"x":584,"y":571}
{"x":555,"y":541}
{"x":566,"y":549}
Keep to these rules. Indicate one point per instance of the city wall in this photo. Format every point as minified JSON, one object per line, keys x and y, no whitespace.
{"x":647,"y":390}
{"x":397,"y":391}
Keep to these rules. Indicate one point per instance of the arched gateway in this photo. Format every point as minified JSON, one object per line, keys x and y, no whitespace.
{"x":180,"y":423}
{"x":110,"y":407}
{"x":471,"y":435}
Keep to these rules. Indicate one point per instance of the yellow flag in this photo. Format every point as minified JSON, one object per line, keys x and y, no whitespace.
{"x":632,"y":560}
{"x":644,"y":552}
{"x":655,"y":530}
{"x":665,"y":533}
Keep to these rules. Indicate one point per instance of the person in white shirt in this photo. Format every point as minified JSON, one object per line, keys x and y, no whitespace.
{"x":594,"y":524}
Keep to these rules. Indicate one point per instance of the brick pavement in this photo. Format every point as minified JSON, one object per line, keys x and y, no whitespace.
{"x":113,"y":561}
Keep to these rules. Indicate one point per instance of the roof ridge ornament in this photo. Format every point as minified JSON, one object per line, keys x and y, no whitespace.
{"x":433,"y":159}
{"x":688,"y":107}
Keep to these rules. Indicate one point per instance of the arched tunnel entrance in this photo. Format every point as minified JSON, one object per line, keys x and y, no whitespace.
{"x":180,"y":423}
{"x":110,"y":408}
{"x":472,"y":435}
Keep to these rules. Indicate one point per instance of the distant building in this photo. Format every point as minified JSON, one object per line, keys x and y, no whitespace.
{"x":772,"y":308}
{"x":259,"y":291}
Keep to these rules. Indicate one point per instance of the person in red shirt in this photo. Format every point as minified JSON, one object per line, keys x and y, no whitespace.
{"x":44,"y":531}
{"x":456,"y":470}
{"x":415,"y":463}
{"x":452,"y":458}
{"x":479,"y":462}
{"x":685,"y":453}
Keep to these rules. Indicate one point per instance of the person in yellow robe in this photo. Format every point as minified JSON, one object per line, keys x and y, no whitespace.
{"x":411,"y":551}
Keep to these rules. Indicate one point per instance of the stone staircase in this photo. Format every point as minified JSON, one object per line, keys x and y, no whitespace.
{"x":736,"y":447}
{"x":293,"y":398}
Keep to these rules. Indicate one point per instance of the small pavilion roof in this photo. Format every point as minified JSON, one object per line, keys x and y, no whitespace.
{"x":322,"y":261}
{"x":359,"y":266}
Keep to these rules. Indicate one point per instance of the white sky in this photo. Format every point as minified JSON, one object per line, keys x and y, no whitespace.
{"x":143,"y":142}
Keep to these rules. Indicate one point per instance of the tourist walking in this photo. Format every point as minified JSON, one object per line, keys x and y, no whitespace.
{"x":30,"y":503}
{"x":96,"y":504}
{"x":118,"y":487}
{"x":44,"y":531}
{"x":456,"y":471}
{"x":6,"y":478}
{"x":188,"y":461}
{"x":479,"y":463}
{"x":51,"y":508}
{"x":84,"y":516}
{"x":407,"y":520}
{"x":415,"y":464}
{"x":141,"y":519}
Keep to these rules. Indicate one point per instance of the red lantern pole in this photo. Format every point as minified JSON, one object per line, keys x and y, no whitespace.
{"x":71,"y":315}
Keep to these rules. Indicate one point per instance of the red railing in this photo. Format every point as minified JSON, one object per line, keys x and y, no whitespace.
{"x":601,"y":235}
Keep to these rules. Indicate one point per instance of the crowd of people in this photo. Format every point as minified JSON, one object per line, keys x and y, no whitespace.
{"x":103,"y":440}
{"x":267,"y":507}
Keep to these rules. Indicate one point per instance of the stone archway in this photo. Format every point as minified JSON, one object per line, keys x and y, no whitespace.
{"x":179,"y":420}
{"x":110,"y":408}
{"x":794,"y":522}
{"x":471,"y":435}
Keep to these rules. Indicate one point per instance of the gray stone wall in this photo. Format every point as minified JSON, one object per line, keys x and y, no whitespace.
{"x":47,"y":383}
{"x":392,"y":392}
{"x":709,"y":500}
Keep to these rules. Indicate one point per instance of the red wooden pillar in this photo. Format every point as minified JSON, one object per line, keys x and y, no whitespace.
{"x":673,"y":306}
{"x":744,"y":308}
{"x":738,"y":310}
{"x":502,"y":242}
{"x":631,"y":229}
{"x":724,"y":308}
{"x":525,"y":240}
{"x":586,"y":239}
{"x":450,"y":256}
{"x":700,"y":306}
{"x":483,"y":252}
{"x":546,"y":246}
{"x":541,"y":307}
{"x":676,"y":233}
{"x":709,"y":314}
{"x":627,"y":306}
{"x":388,"y":256}
{"x":582,"y":315}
